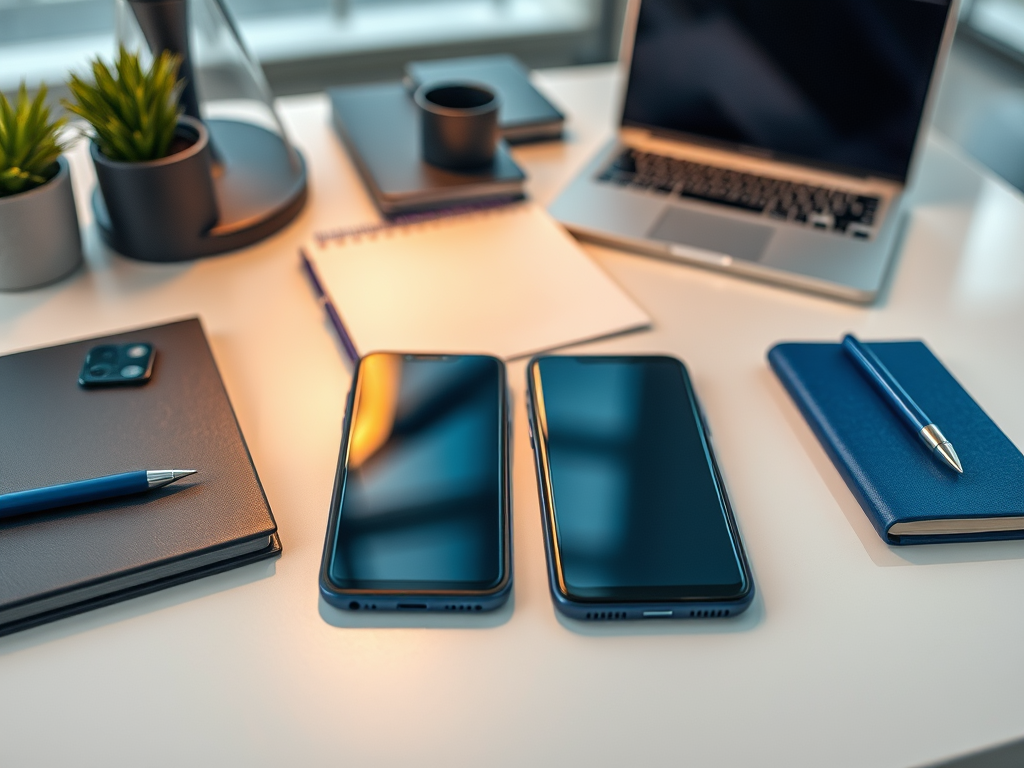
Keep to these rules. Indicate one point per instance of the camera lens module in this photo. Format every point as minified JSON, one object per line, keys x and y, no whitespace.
{"x":111,"y":365}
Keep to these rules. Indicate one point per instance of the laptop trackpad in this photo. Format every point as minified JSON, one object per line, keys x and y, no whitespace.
{"x":712,"y":235}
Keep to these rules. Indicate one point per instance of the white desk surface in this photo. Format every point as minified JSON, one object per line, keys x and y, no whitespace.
{"x":853,"y":654}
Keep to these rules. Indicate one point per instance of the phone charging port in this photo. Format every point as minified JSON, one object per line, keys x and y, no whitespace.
{"x":412,"y":606}
{"x":657,"y":614}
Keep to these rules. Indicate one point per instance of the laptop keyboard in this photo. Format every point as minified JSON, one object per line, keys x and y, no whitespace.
{"x":820,"y":207}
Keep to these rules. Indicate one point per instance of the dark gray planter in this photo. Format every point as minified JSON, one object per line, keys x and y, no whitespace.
{"x":39,"y":237}
{"x":160,"y":210}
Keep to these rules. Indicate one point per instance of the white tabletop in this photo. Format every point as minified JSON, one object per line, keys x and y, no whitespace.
{"x":853,"y":654}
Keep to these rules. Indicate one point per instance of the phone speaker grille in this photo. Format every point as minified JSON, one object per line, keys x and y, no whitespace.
{"x":606,"y":615}
{"x":462,"y":608}
{"x":706,"y":614}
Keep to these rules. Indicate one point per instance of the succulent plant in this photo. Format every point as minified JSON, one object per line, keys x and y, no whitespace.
{"x":30,"y":142}
{"x":133,"y":112}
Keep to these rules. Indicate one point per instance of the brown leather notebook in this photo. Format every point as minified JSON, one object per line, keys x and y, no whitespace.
{"x":57,"y":563}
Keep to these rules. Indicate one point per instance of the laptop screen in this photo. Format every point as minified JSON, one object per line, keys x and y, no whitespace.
{"x":840,"y":84}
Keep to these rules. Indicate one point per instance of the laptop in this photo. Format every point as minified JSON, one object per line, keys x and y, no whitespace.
{"x":773,"y":139}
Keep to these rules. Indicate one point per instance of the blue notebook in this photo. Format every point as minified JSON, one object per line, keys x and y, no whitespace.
{"x":908,"y":496}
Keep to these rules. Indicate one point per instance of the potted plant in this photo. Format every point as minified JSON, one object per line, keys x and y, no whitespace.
{"x":153,"y":164}
{"x":39,"y":237}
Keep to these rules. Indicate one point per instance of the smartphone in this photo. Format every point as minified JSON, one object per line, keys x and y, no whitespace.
{"x":420,"y":518}
{"x":636,"y":519}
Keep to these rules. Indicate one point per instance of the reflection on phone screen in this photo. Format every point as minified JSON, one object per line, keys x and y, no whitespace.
{"x":421,"y":505}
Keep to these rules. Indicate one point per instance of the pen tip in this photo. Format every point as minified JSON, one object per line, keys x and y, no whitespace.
{"x":948,"y":455}
{"x":183,"y":472}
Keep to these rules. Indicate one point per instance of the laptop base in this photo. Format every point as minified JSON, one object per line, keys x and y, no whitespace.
{"x":735,"y":241}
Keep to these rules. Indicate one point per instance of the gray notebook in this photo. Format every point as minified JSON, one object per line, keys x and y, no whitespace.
{"x":56,"y":563}
{"x":380,"y":128}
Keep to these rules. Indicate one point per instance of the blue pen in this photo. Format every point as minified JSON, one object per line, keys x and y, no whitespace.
{"x":894,"y":394}
{"x":109,"y":487}
{"x":332,"y":313}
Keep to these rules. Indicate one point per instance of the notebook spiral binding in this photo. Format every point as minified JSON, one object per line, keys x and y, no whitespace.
{"x":404,"y":220}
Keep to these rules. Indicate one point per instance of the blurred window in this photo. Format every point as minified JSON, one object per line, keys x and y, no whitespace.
{"x":306,"y":44}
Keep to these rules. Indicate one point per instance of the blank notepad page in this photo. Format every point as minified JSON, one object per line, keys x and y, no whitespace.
{"x":506,"y":281}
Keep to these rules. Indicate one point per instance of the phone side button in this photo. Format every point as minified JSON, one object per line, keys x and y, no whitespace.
{"x":657,"y":614}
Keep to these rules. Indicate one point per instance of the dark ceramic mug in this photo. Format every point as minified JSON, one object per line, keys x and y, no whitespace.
{"x":459,"y":125}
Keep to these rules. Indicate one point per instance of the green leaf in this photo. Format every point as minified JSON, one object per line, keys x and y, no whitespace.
{"x":30,"y":142}
{"x":133,"y":111}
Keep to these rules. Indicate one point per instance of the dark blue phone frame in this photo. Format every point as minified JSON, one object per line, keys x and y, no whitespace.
{"x":591,"y":609}
{"x":446,"y":601}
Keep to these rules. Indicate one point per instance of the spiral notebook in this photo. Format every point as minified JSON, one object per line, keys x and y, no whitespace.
{"x":506,"y":281}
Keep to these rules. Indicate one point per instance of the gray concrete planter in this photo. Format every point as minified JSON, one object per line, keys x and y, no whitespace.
{"x":159,"y":210}
{"x":39,"y":238}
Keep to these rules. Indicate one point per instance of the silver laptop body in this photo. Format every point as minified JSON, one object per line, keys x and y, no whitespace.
{"x":826,"y":226}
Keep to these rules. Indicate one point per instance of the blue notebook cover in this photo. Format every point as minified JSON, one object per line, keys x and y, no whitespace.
{"x":889,"y":470}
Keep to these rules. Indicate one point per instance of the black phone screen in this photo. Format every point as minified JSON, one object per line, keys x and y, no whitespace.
{"x":422,"y":502}
{"x":638,"y":511}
